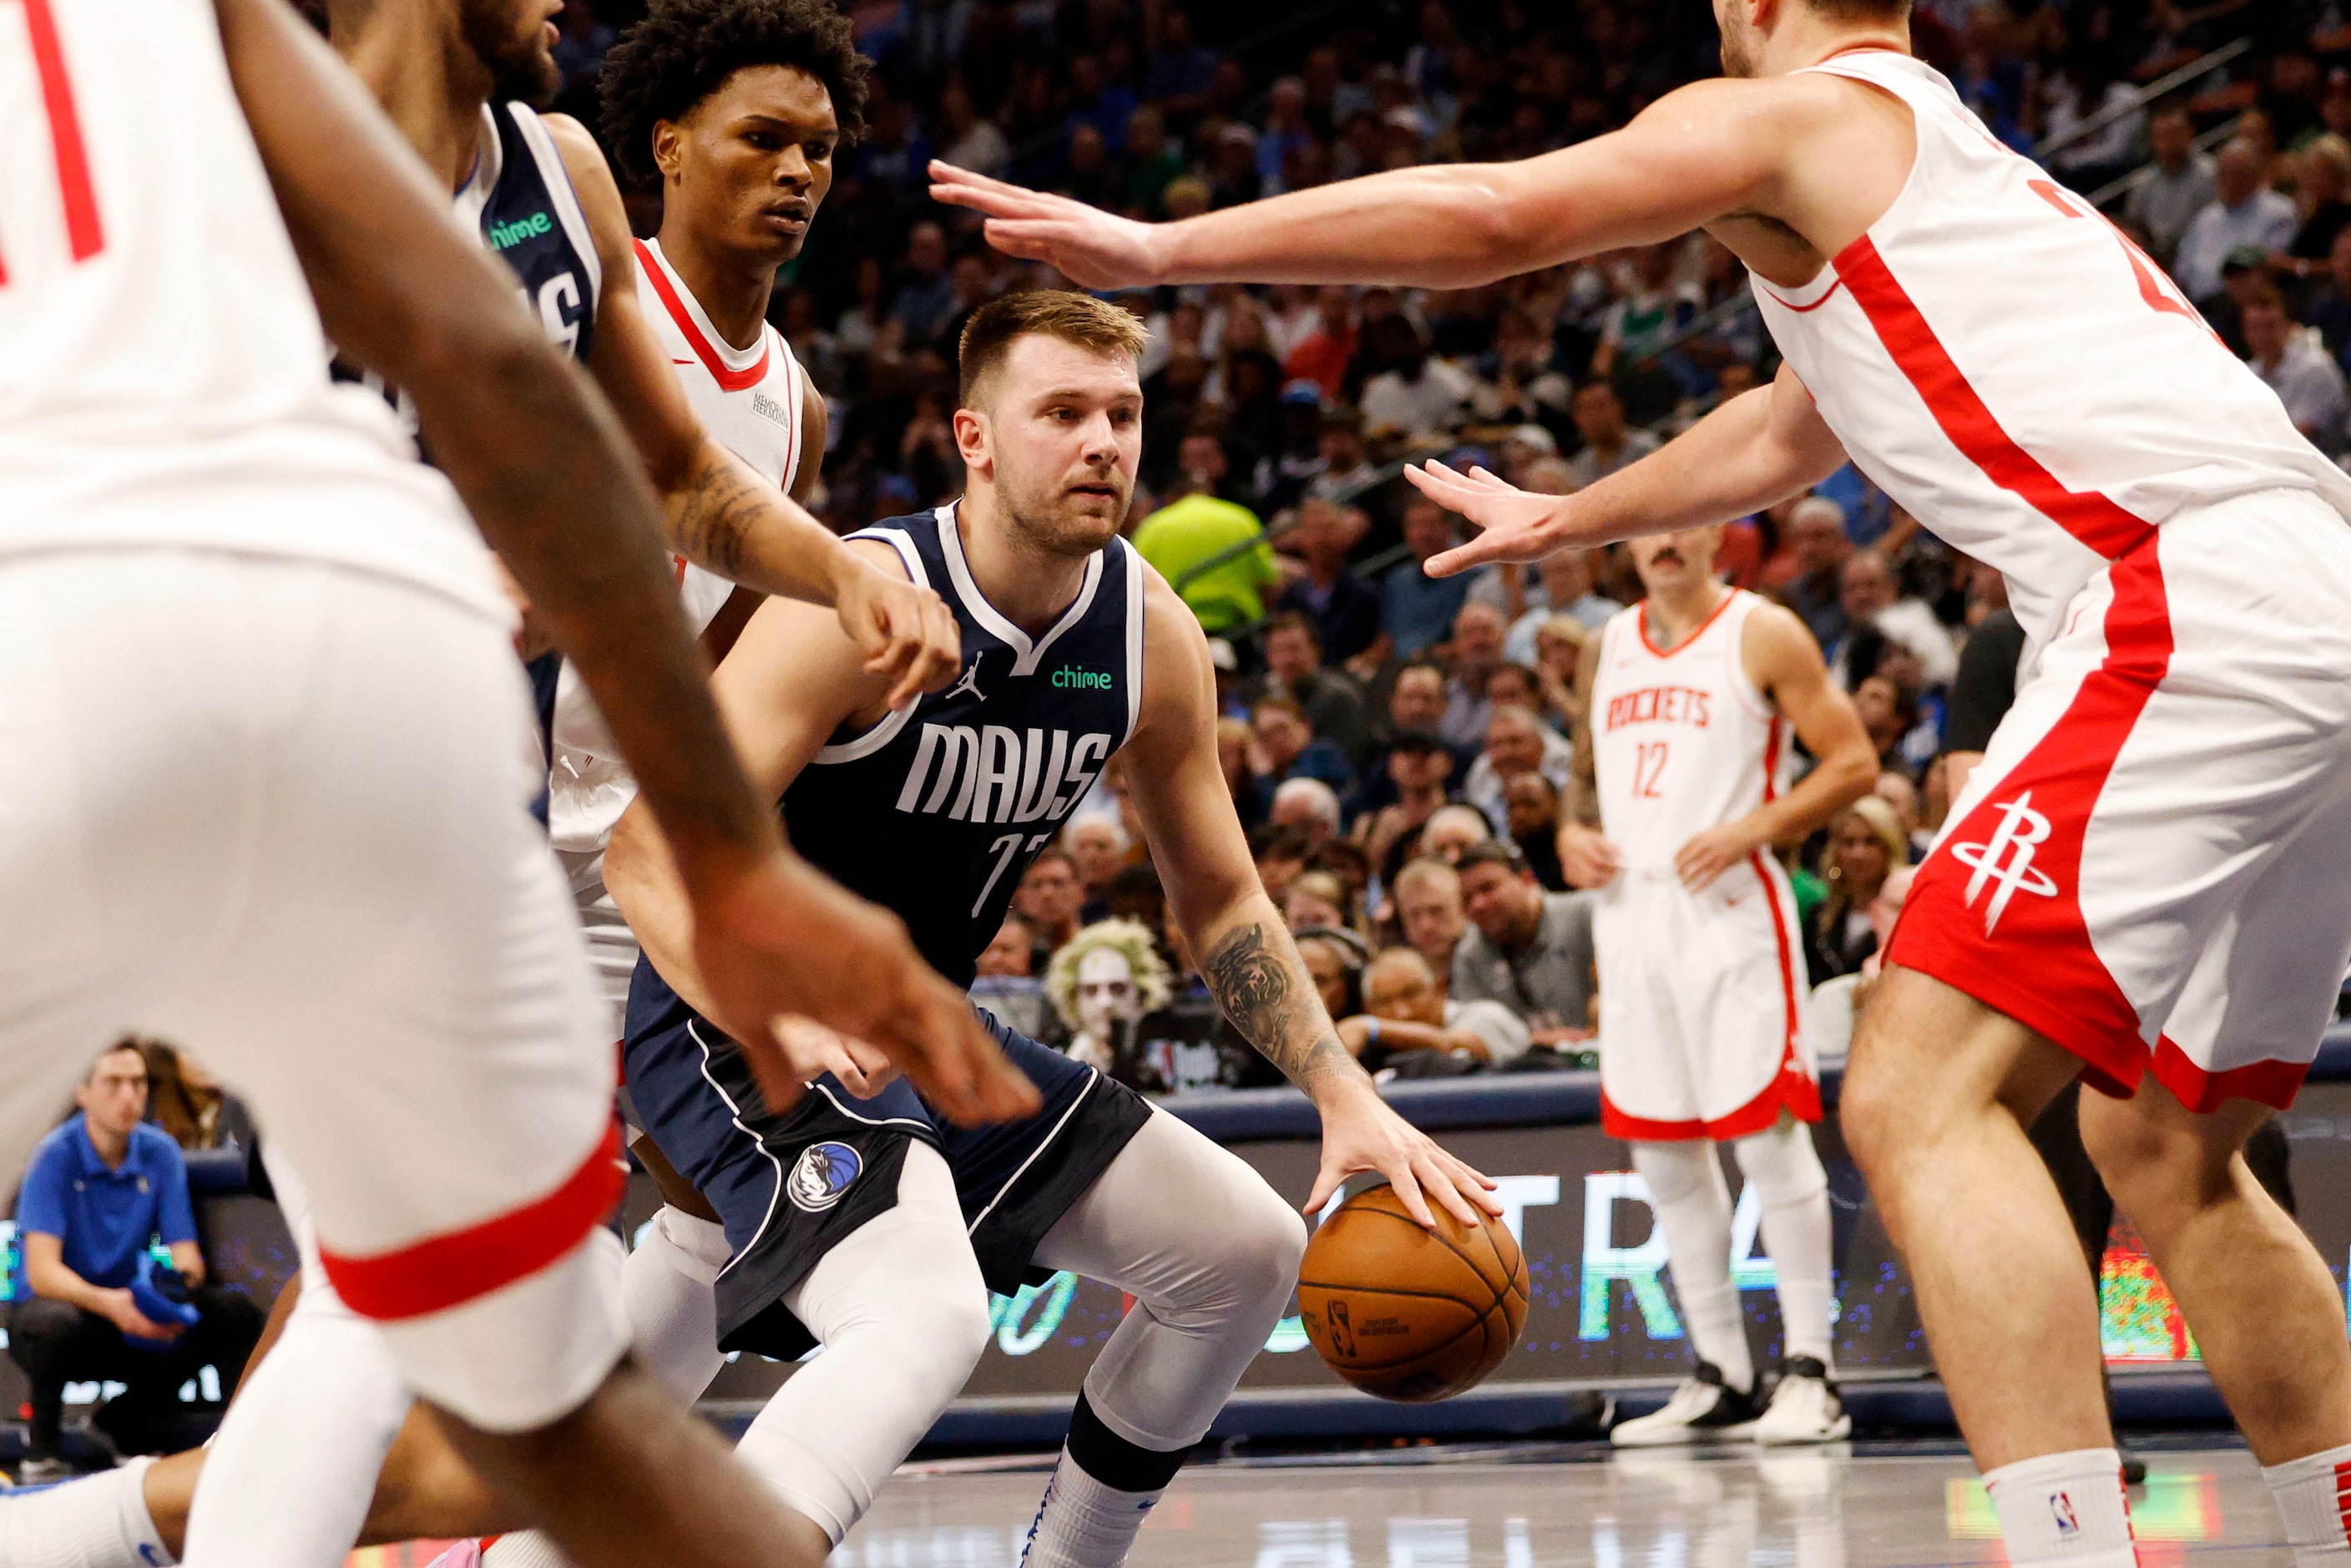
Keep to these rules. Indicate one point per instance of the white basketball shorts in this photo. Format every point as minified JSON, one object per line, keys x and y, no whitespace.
{"x":271,"y":810}
{"x":2152,"y":866}
{"x":1701,"y":1006}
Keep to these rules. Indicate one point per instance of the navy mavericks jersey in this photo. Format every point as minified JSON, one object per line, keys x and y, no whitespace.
{"x":934,"y":812}
{"x":520,"y":197}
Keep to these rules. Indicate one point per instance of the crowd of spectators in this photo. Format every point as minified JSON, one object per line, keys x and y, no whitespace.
{"x":1401,"y":748}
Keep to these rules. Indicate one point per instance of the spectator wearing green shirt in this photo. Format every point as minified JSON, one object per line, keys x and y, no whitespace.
{"x":1211,"y":552}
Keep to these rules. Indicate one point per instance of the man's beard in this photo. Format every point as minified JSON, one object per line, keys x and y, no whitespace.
{"x":518,"y":66}
{"x":1738,"y":45}
{"x":1040,"y":518}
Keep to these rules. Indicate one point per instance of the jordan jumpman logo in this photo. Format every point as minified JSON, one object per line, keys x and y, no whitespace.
{"x":970,"y":683}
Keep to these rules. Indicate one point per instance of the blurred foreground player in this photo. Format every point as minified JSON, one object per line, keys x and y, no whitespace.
{"x":849,"y":1227}
{"x":1694,"y":700}
{"x":220,"y":571}
{"x":2145,"y":883}
{"x":733,"y":106}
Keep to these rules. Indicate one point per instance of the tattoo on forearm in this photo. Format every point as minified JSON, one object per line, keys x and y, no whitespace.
{"x":1253,"y":983}
{"x":711,"y":526}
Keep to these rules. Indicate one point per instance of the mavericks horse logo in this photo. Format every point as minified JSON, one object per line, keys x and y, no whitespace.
{"x":822,"y":1174}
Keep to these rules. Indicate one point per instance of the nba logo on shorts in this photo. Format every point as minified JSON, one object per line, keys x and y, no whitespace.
{"x":2060,"y":1509}
{"x":821,"y":1174}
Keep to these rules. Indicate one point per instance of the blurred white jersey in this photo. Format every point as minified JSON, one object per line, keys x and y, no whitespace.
{"x":2015,"y":373}
{"x":163,"y":372}
{"x":749,"y":400}
{"x":1681,"y":740}
{"x":1701,"y":994}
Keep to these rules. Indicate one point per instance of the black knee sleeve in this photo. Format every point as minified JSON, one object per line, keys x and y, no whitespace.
{"x":1115,"y":1462}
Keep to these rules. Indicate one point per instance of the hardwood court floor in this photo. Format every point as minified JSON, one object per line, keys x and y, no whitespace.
{"x":1876,"y":1505}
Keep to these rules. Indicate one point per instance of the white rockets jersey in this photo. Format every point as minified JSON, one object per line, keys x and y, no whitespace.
{"x":750,"y":402}
{"x":748,"y":399}
{"x":1681,"y":741}
{"x":163,"y":372}
{"x":2015,"y":373}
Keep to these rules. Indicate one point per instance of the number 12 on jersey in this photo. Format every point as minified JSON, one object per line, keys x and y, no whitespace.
{"x":1648,"y":767}
{"x":75,"y":188}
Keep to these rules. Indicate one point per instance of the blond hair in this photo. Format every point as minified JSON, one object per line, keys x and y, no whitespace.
{"x":1131,"y":940}
{"x":1074,"y":317}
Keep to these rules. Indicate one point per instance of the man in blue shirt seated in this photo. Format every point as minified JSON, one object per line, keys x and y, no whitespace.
{"x":99,"y":1189}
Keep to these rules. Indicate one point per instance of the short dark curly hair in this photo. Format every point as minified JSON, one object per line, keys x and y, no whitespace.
{"x":684,"y":51}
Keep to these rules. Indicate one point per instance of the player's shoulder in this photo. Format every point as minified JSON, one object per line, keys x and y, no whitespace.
{"x":575,"y":141}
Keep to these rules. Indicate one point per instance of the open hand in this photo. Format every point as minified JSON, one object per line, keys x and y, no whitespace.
{"x":781,"y":938}
{"x":1092,"y":248}
{"x":1518,"y":525}
{"x":906,"y":633}
{"x":1361,"y":1133}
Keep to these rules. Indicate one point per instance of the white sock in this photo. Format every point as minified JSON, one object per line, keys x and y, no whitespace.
{"x":99,"y":1521}
{"x":1693,"y":1204}
{"x":1786,"y":1172}
{"x":2315,"y":1494}
{"x":1083,"y":1523}
{"x":668,"y":1285}
{"x":2063,"y":1508}
{"x":525,"y":1549}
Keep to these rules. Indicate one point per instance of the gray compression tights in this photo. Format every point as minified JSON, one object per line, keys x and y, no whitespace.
{"x":1208,"y":1251}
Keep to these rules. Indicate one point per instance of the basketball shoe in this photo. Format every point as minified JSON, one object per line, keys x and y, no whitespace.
{"x":1704,"y":1409}
{"x":1805,"y":1405}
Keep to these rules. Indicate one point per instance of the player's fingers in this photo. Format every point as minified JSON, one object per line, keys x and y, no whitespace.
{"x":1487,"y":479}
{"x":1401,"y":1177}
{"x":1448,"y":1190}
{"x":1480,"y":551}
{"x":1473,"y":1183}
{"x":1326,"y":1182}
{"x":945,"y":642}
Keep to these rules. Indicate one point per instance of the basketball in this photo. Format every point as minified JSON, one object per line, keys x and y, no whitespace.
{"x":1411,"y":1314}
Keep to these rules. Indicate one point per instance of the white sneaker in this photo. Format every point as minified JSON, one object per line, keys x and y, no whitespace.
{"x":1702,"y":1410}
{"x":1806,"y":1407}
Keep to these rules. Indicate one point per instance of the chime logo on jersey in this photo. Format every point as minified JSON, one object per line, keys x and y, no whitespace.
{"x":821,"y":1174}
{"x":987,"y":773}
{"x":2007,"y":859}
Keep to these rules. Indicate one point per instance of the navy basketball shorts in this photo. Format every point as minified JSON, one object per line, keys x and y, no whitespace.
{"x":789,"y":1188}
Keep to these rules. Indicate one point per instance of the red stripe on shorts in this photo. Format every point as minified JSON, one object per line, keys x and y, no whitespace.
{"x":444,"y":1271}
{"x":2036,"y":963}
{"x":2273,"y":1083}
{"x":2343,"y":1498}
{"x":2089,"y":516}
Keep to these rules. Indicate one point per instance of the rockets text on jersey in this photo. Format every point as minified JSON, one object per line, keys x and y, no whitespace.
{"x":1681,"y":740}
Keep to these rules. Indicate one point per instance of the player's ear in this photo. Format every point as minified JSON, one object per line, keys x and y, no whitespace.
{"x":971,"y":437}
{"x":669,"y":147}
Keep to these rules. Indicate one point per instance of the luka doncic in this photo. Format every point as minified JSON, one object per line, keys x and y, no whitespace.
{"x":844,"y":1225}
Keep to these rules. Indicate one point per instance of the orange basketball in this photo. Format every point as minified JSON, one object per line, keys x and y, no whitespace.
{"x":1406,"y":1313}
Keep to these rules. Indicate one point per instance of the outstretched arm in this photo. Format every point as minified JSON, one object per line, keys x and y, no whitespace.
{"x":1710,"y":149}
{"x":1246,"y":954}
{"x":716,"y":511}
{"x":545,"y":469}
{"x":1753,"y":452}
